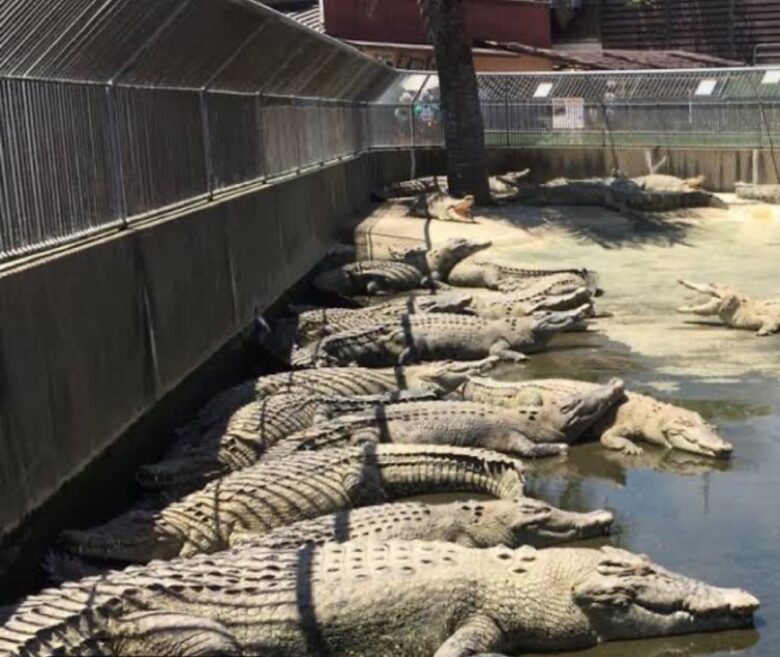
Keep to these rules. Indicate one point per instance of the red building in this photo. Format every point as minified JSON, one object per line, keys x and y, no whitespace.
{"x":398,"y":21}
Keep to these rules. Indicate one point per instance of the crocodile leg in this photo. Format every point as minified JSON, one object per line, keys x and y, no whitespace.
{"x":613,"y":440}
{"x":473,"y":639}
{"x":501,"y":349}
{"x":769,"y":327}
{"x":517,"y":443}
{"x":171,"y":633}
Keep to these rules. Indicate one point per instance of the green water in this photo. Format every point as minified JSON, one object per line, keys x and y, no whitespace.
{"x":718,"y":521}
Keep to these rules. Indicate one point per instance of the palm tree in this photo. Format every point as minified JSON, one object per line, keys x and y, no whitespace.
{"x":464,"y":136}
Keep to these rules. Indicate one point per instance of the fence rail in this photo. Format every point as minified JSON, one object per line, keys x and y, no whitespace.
{"x":77,"y":158}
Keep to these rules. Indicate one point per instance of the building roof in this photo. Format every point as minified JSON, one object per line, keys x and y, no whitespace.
{"x":599,"y":59}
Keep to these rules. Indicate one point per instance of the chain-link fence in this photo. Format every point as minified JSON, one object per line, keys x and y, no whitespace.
{"x":111,"y":139}
{"x":80,"y":157}
{"x":111,"y":111}
{"x":704,"y":107}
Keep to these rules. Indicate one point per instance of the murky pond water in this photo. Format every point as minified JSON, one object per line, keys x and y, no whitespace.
{"x":718,"y":521}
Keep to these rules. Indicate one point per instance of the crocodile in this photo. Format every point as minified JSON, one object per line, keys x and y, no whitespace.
{"x":439,"y":261}
{"x":319,"y":322}
{"x":763,"y":193}
{"x":442,"y":377}
{"x":316,"y":324}
{"x":250,"y":431}
{"x":500,"y":185}
{"x":735,"y":309}
{"x":635,"y":416}
{"x":483,"y":524}
{"x":620,"y":194}
{"x":426,"y":268}
{"x":508,"y":278}
{"x":372,"y":599}
{"x":276,"y":493}
{"x":528,"y":301}
{"x":530,"y":430}
{"x":656,"y":182}
{"x":442,"y":206}
{"x":408,"y":188}
{"x":372,"y":277}
{"x":413,"y":338}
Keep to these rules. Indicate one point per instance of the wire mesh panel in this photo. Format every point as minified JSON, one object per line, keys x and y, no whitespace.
{"x":280,"y":135}
{"x":56,"y":163}
{"x":163,"y":150}
{"x":310,"y":131}
{"x":235,"y":138}
{"x":390,"y":126}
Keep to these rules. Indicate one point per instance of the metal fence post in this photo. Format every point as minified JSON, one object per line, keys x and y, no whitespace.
{"x":207,"y":154}
{"x":120,"y":193}
{"x":506,"y":117}
{"x":320,"y":102}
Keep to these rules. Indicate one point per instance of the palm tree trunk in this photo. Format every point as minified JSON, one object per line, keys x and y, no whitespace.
{"x":464,"y":136}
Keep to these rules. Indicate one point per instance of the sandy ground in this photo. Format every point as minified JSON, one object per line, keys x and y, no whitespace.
{"x":638,"y":262}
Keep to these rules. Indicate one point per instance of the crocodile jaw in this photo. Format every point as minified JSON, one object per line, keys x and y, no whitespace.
{"x":628,"y":596}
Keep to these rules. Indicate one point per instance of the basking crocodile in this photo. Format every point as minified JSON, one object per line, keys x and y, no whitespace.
{"x":656,"y":182}
{"x":530,"y":430}
{"x":619,"y":194}
{"x":319,"y":322}
{"x":528,"y":301}
{"x":500,"y":185}
{"x":507,"y":278}
{"x":413,"y":338}
{"x":763,"y":193}
{"x":252,"y":430}
{"x":484,"y":523}
{"x":383,"y":276}
{"x":634,"y":417}
{"x":438,"y":262}
{"x":442,"y":206}
{"x":276,"y":493}
{"x":372,"y":599}
{"x":442,"y":376}
{"x":735,"y":309}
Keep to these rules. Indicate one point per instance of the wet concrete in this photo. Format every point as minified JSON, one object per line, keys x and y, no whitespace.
{"x":719,"y":521}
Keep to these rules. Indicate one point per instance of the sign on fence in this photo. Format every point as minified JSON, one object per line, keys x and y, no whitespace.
{"x":568,"y":113}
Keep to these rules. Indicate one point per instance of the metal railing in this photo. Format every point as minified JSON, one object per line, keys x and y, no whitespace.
{"x":80,"y":158}
{"x":703,"y":107}
{"x":77,"y":158}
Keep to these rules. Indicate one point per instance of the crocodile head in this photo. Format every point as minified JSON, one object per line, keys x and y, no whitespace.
{"x":446,"y":303}
{"x":197,"y":466}
{"x":442,"y":259}
{"x":527,"y":521}
{"x":447,"y":375}
{"x":627,"y":596}
{"x":582,"y":409}
{"x":548,"y":323}
{"x":688,"y":431}
{"x":724,"y":300}
{"x":134,"y":537}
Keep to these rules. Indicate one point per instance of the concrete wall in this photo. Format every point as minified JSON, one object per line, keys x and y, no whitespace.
{"x":722,"y":167}
{"x":93,"y":337}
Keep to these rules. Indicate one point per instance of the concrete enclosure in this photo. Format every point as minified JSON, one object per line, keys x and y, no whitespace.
{"x":93,"y":337}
